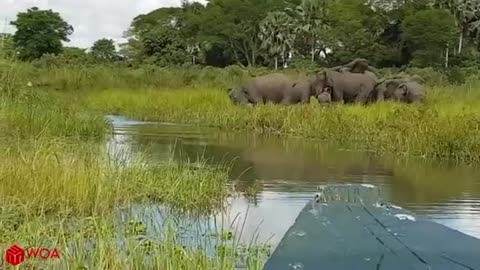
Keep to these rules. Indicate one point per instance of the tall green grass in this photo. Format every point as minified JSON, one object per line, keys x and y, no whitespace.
{"x":79,"y":177}
{"x":446,"y":127}
{"x":73,"y":78}
{"x":67,"y":194}
{"x":59,"y":187}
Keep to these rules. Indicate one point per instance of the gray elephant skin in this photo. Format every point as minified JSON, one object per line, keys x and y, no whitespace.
{"x":346,"y":87}
{"x":406,"y":90}
{"x":273,"y":88}
{"x":358,"y":65}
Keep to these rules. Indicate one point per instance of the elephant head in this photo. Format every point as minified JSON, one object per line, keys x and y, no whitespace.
{"x":412,"y":91}
{"x":321,"y":82}
{"x":390,"y":89}
{"x":238,"y":96}
{"x":402,"y":90}
{"x":325,"y":96}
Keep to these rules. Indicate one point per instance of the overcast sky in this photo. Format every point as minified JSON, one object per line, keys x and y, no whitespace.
{"x":91,"y":19}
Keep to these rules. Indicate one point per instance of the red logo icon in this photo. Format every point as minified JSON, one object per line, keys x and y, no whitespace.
{"x":15,"y":255}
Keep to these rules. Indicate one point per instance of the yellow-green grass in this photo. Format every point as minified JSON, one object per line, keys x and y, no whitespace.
{"x":65,"y":193}
{"x":101,"y":243}
{"x":57,"y":176}
{"x":36,"y":113}
{"x":445,"y":127}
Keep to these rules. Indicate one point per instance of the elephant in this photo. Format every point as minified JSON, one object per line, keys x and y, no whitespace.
{"x":237,"y":96}
{"x":358,"y":65}
{"x":407,"y":90}
{"x":276,"y":88}
{"x":345,"y":86}
{"x":323,"y":97}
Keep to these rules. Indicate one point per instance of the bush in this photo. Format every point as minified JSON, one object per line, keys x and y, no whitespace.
{"x":455,"y":75}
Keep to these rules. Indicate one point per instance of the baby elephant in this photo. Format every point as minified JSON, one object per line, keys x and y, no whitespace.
{"x":273,"y":88}
{"x":325,"y":95}
{"x":407,"y":90}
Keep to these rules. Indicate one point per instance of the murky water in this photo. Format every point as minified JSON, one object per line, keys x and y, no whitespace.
{"x":287,"y":172}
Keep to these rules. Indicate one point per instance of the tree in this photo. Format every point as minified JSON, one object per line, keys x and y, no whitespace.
{"x":277,"y":34}
{"x":311,"y":15}
{"x":467,"y":16}
{"x":235,"y":25}
{"x":163,"y":46}
{"x":40,"y":32}
{"x":157,"y":38}
{"x":104,"y":50}
{"x":354,"y":31}
{"x":429,"y":33}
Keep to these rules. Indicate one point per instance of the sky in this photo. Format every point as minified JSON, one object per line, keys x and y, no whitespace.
{"x":91,"y":19}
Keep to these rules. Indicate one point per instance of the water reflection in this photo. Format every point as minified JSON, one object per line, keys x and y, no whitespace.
{"x":290,"y":169}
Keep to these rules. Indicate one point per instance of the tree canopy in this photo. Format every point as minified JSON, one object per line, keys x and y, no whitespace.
{"x":103,"y":50}
{"x":277,"y":33}
{"x":40,"y":32}
{"x":254,"y":32}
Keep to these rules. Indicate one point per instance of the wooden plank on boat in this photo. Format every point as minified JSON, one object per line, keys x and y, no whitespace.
{"x":350,"y":227}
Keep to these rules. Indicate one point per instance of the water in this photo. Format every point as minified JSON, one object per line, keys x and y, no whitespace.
{"x":288,"y":171}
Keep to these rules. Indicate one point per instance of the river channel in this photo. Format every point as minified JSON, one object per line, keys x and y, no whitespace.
{"x":286,"y":172}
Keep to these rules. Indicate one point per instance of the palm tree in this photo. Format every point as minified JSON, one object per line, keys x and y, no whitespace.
{"x":277,"y":34}
{"x":467,"y":14}
{"x":310,"y":16}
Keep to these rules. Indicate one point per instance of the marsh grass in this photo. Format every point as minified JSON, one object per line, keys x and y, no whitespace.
{"x":64,"y":194}
{"x":75,"y":177}
{"x":443,"y":128}
{"x":60,"y":188}
{"x":100,"y":243}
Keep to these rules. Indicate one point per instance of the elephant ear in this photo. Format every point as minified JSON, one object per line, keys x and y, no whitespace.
{"x":330,"y":81}
{"x":404,"y":89}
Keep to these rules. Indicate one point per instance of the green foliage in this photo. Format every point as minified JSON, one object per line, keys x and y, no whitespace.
{"x":258,"y":32}
{"x":164,"y":46}
{"x":103,"y":50}
{"x":304,"y":64}
{"x":277,"y":34}
{"x":456,"y":75}
{"x":40,"y":32}
{"x":429,"y":33}
{"x":73,"y":55}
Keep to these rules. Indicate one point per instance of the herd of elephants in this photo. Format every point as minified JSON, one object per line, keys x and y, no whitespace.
{"x":355,"y":82}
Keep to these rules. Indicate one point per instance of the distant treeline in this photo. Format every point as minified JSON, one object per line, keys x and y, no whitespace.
{"x":272,"y":33}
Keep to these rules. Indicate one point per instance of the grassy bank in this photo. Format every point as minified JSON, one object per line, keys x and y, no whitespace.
{"x":446,"y":127}
{"x":59,"y":187}
{"x":67,"y":194}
